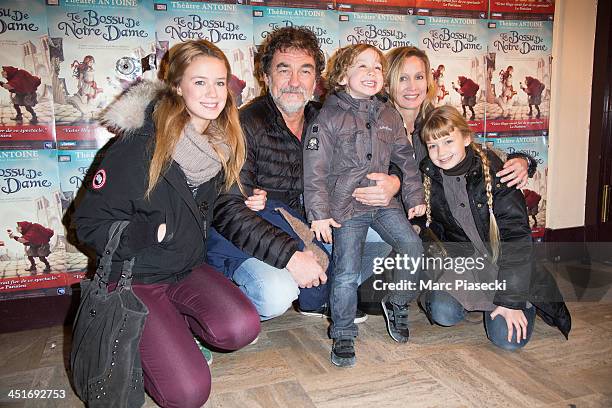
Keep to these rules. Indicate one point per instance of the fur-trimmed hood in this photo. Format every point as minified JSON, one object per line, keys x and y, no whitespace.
{"x":128,"y":112}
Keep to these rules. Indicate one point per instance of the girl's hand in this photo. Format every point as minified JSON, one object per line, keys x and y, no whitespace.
{"x":322,"y":229}
{"x":514,"y":318}
{"x":416,"y":211}
{"x":515,"y":172}
{"x":257,"y":201}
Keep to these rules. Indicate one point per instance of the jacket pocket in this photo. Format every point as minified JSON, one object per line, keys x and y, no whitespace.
{"x":349,"y":150}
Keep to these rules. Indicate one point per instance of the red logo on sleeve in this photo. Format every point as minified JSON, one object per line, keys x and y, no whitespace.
{"x":99,"y":179}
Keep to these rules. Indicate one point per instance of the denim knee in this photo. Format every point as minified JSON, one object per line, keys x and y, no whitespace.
{"x":275,"y":295}
{"x":271,"y":290}
{"x":497,"y":330}
{"x":275,"y":298}
{"x":444,"y":309}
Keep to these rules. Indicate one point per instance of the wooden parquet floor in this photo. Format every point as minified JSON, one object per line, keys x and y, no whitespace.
{"x":440,"y":367}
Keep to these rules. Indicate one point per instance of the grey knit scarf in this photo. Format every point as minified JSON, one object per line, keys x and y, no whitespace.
{"x":196,"y":156}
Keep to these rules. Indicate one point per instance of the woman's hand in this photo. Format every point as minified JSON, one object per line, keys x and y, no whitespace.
{"x":322,"y":229}
{"x":257,"y":201}
{"x":381,"y":194}
{"x":515,"y":172}
{"x":514,"y":319}
{"x":416,"y":211}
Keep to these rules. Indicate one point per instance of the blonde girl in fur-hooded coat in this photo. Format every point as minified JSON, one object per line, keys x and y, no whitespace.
{"x":179,"y":144}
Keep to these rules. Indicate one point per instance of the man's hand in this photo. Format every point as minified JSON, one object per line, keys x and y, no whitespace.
{"x":322,"y":229}
{"x":305,"y":269}
{"x":257,"y":201}
{"x":514,"y":172}
{"x":416,"y":211}
{"x":381,"y":194}
{"x":514,"y":319}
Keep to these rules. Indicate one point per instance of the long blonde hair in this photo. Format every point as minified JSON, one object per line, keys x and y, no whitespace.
{"x":395,"y":59}
{"x":440,"y":123}
{"x":171,"y":116}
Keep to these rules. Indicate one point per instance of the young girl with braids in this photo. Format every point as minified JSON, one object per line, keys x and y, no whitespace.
{"x":476,"y":215}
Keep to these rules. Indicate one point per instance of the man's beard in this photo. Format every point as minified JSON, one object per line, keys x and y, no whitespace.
{"x":291,"y":107}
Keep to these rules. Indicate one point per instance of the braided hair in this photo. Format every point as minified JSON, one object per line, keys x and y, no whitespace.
{"x":440,"y":123}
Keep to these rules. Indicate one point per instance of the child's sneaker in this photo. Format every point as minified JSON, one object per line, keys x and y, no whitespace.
{"x":208,"y":355}
{"x":343,"y":353}
{"x":396,"y":317}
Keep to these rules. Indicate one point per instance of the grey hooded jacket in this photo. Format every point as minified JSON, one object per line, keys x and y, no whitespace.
{"x":349,"y":139}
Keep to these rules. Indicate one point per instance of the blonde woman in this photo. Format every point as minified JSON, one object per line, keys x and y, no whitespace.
{"x":179,"y":146}
{"x":467,"y":204}
{"x":412,"y":90}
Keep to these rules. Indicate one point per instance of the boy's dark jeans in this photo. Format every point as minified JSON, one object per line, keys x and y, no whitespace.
{"x":393,"y":226}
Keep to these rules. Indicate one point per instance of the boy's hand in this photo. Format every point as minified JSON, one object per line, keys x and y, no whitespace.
{"x":416,"y":211}
{"x":322,"y":229}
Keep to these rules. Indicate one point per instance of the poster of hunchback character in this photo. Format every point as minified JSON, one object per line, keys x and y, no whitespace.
{"x":535,"y":190}
{"x":97,"y":51}
{"x":451,"y":8}
{"x":32,"y":240}
{"x":522,"y":9}
{"x":384,"y":31}
{"x":228,"y":26}
{"x":519,"y":68}
{"x":456,"y":48}
{"x":26,"y":101}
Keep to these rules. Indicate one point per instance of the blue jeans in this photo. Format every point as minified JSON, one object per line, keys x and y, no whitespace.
{"x":273,"y":290}
{"x":445,"y":310}
{"x":393,"y":226}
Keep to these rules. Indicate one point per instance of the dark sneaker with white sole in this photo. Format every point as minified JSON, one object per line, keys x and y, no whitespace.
{"x":396,"y":317}
{"x":325,"y":311}
{"x":343,"y":353}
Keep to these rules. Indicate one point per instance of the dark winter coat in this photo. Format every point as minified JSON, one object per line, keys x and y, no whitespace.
{"x":274,"y":164}
{"x":349,"y":139}
{"x":117,"y":193}
{"x":516,"y":264}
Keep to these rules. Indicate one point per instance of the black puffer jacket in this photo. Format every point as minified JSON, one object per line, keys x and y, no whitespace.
{"x":273,"y":163}
{"x":516,"y":264}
